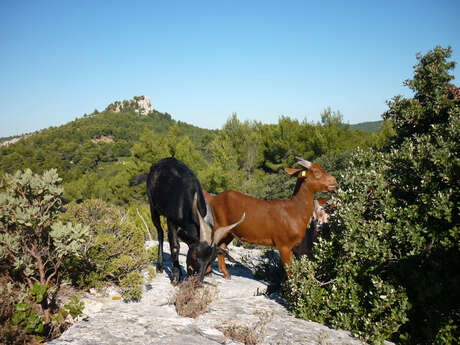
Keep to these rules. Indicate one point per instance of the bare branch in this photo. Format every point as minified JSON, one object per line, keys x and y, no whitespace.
{"x":122,"y":220}
{"x":145,"y":224}
{"x":56,"y":268}
{"x":321,"y":283}
{"x":30,"y":251}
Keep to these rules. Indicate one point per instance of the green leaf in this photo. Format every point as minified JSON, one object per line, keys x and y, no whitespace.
{"x":39,"y":292}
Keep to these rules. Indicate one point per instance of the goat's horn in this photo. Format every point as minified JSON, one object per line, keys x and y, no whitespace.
{"x":222,"y":232}
{"x":227,"y":255}
{"x":303,"y":162}
{"x":315,"y":214}
{"x":205,"y":230}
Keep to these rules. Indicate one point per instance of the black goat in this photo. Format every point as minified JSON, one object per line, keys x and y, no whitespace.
{"x":175,"y":192}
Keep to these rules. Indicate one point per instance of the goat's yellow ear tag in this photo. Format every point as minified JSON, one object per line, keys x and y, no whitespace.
{"x":303,"y":173}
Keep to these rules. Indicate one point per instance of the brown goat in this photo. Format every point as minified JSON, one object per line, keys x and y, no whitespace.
{"x":279,"y":223}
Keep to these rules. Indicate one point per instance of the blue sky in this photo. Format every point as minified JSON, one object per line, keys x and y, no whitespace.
{"x":201,"y":61}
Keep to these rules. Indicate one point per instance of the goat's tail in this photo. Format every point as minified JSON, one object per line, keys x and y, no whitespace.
{"x":138,"y":179}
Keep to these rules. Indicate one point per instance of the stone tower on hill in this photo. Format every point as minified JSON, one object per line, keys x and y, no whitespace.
{"x":139,"y":104}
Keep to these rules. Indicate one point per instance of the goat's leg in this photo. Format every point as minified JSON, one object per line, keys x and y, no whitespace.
{"x":156,"y":221}
{"x":221,"y":257}
{"x":174,"y":247}
{"x":286,"y":257}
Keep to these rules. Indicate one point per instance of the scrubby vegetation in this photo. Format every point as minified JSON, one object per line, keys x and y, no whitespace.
{"x":387,"y":270}
{"x":91,"y":244}
{"x":115,"y":251}
{"x":390,"y":266}
{"x":34,"y":247}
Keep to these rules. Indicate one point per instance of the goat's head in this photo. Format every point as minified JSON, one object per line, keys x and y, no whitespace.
{"x":319,"y":214}
{"x":203,"y":252}
{"x":318,"y":179}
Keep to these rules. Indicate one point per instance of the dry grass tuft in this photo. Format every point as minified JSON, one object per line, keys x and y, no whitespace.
{"x":240,"y":332}
{"x":247,"y":334}
{"x":191,"y":299}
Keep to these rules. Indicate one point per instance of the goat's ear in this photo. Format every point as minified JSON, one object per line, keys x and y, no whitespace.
{"x":292,"y":171}
{"x":299,"y":173}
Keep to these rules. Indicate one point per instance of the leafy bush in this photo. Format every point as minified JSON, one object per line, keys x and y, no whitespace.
{"x":28,"y":319}
{"x":131,"y":286}
{"x":152,"y":272}
{"x":34,"y":247}
{"x":344,"y":286}
{"x":115,"y":248}
{"x":390,"y":266}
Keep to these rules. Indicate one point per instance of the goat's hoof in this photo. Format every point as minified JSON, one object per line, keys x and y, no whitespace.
{"x":159,"y":268}
{"x":228,"y":276}
{"x":176,"y":276}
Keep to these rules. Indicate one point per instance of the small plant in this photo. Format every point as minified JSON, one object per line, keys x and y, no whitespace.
{"x":38,"y":292}
{"x":60,"y":319}
{"x":131,"y":287}
{"x":151,"y":271}
{"x":240,"y":332}
{"x":28,"y":319}
{"x":75,"y":307}
{"x":152,"y":254}
{"x":191,"y":299}
{"x":116,"y":247}
{"x":243,"y":244}
{"x":244,"y":333}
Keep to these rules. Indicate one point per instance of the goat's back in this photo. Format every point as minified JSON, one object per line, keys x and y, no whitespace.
{"x":171,"y":187}
{"x":266,"y":222}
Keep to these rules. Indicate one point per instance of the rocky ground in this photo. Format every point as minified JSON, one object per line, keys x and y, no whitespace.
{"x":238,"y":305}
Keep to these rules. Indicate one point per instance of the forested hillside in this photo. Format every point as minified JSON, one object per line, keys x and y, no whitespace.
{"x":97,"y":154}
{"x":370,"y":126}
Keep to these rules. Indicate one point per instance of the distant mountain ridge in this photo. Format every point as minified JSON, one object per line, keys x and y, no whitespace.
{"x":92,"y":141}
{"x":369,"y":126}
{"x":139,"y":105}
{"x":144,"y":107}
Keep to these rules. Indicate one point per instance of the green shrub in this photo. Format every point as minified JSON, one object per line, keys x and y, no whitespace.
{"x":116,"y":247}
{"x":151,"y":271}
{"x":152,"y":254}
{"x":28,"y":319}
{"x":390,"y":266}
{"x":344,"y":286}
{"x":74,"y":307}
{"x":34,"y":247}
{"x":131,"y":286}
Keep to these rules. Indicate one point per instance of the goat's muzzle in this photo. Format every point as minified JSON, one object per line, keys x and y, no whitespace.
{"x":331,"y":187}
